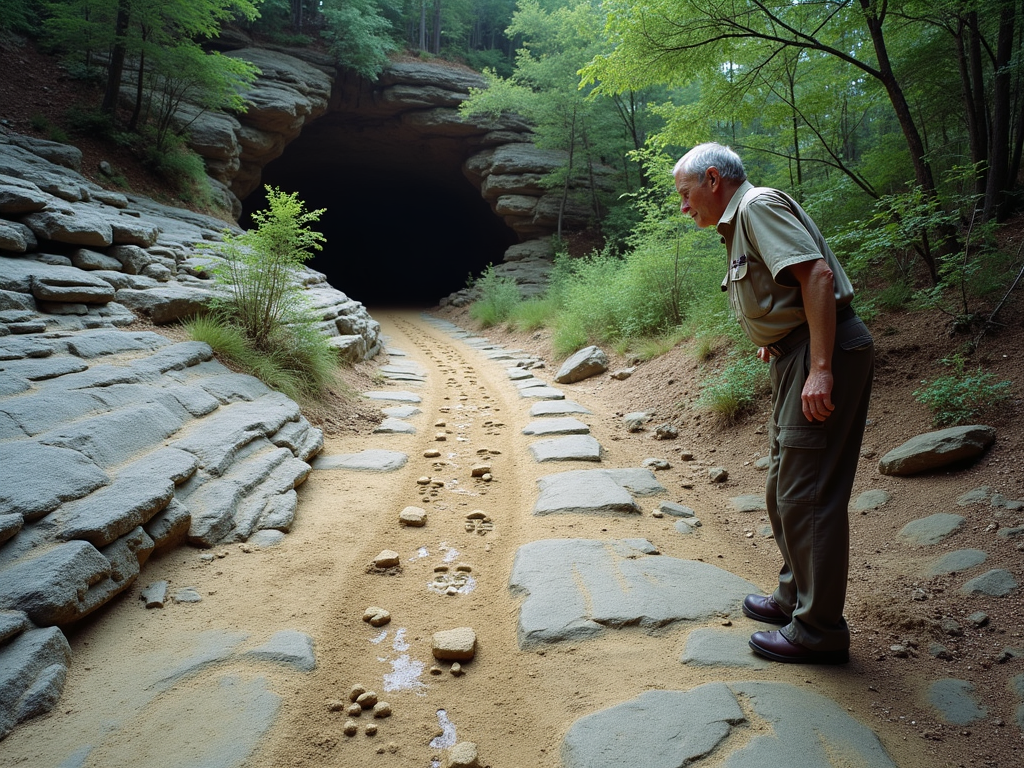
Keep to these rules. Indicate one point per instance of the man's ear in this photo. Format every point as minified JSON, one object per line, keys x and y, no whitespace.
{"x":714,"y":175}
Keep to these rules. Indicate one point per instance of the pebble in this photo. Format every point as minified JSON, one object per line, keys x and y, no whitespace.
{"x":371,"y":729}
{"x":423,"y":481}
{"x":433,"y":453}
{"x":353,"y":710}
{"x":718,"y":474}
{"x":356,"y":692}
{"x":463,"y":755}
{"x":477,"y":514}
{"x":414,"y":517}
{"x":335,"y":705}
{"x":387,"y":559}
{"x":437,"y":483}
{"x":155,"y":594}
{"x":381,"y":709}
{"x":479,"y":470}
{"x":456,"y":670}
{"x":436,"y":670}
{"x":979,"y":619}
{"x":454,"y":644}
{"x":350,"y":729}
{"x":440,"y":423}
{"x":440,"y":437}
{"x":376,"y":616}
{"x":366,"y":700}
{"x":487,"y":477}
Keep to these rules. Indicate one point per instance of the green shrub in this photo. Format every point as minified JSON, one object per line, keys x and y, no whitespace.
{"x":182,"y":167}
{"x":735,"y":390}
{"x":88,"y":121}
{"x":533,"y":314}
{"x":961,"y":396}
{"x":499,"y":296}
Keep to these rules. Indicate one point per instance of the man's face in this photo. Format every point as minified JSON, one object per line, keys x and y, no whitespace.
{"x":698,"y":201}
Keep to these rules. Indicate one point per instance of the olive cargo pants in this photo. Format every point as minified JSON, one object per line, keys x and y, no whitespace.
{"x":810,"y":478}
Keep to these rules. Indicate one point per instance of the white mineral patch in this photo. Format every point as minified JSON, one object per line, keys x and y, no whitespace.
{"x":447,"y":738}
{"x":379,"y":638}
{"x":420,"y":553}
{"x":399,"y":643}
{"x":405,"y":674}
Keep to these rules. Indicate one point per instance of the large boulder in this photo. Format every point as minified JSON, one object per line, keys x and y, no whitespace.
{"x":585,"y":363}
{"x":934,"y":450}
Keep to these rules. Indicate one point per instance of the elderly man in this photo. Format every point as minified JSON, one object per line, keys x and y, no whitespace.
{"x":792,"y":299}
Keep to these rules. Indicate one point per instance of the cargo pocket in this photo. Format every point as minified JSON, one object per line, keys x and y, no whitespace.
{"x":800,"y":454}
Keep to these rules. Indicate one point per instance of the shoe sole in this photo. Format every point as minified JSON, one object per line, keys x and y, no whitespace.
{"x":812,"y":657}
{"x":760,"y":617}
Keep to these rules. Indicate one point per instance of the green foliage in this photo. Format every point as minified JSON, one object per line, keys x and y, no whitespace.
{"x":533,"y":314}
{"x":88,"y":121}
{"x":42,"y":123}
{"x":734,"y":391}
{"x":499,"y":296}
{"x":259,"y":272}
{"x":359,"y":34}
{"x":962,"y":395}
{"x":17,"y":16}
{"x":300,"y":363}
{"x":179,"y":165}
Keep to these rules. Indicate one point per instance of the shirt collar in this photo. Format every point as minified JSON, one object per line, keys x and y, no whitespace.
{"x":734,"y":204}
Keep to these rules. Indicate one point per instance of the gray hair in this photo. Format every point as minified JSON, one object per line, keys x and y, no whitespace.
{"x":697,"y":161}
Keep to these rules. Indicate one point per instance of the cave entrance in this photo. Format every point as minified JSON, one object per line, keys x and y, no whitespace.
{"x":404,"y":227}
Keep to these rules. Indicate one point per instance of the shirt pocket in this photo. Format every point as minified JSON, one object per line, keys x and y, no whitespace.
{"x":753,"y":300}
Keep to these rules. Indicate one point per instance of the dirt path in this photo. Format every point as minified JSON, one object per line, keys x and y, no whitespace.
{"x":128,"y":702}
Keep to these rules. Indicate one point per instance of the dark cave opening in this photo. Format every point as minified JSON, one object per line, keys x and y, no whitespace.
{"x":394,"y":236}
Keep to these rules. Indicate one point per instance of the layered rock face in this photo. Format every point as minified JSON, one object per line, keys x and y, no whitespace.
{"x":116,"y":443}
{"x":408,"y":116}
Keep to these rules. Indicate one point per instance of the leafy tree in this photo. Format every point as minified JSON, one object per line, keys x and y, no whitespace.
{"x":359,"y":34}
{"x":16,"y":16}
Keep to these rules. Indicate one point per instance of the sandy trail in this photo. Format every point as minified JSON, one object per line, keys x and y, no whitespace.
{"x":124,"y":706}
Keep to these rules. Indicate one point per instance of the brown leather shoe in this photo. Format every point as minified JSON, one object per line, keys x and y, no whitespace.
{"x":775,"y":646}
{"x":764,"y":609}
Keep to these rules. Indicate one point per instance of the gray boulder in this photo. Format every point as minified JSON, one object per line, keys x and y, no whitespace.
{"x":935,"y":450}
{"x":587,"y":362}
{"x":33,"y":668}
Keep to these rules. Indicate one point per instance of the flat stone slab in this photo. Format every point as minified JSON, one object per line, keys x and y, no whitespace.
{"x":557,"y":426}
{"x":394,"y":427}
{"x":583,"y":491}
{"x":749,"y":503}
{"x":289,"y":647}
{"x":930,"y":530}
{"x":556,"y":408}
{"x":961,"y":560}
{"x":873,"y":499}
{"x":642,"y":482}
{"x":955,"y":702}
{"x":669,"y":729}
{"x":995,"y":583}
{"x":935,"y":450}
{"x":542,"y":393}
{"x":401,"y":411}
{"x":517,"y":374}
{"x":396,"y":396}
{"x":371,"y":460}
{"x":721,"y":648}
{"x":569,"y":448}
{"x":580,"y":588}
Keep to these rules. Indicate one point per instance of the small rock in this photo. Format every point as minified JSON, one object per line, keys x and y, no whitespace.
{"x":371,"y":729}
{"x":454,"y":644}
{"x":979,"y":619}
{"x":414,"y":517}
{"x":623,"y":373}
{"x":188,"y":595}
{"x":666,"y":432}
{"x":356,"y":692}
{"x":456,"y":670}
{"x":436,"y":670}
{"x":155,"y":594}
{"x":336,"y":705}
{"x":423,"y":480}
{"x":387,"y":559}
{"x":353,"y":710}
{"x":479,"y":470}
{"x":433,"y":453}
{"x":487,"y":477}
{"x":656,"y":464}
{"x":367,"y":700}
{"x":377,"y":617}
{"x":762,"y":463}
{"x":951,"y":627}
{"x":718,"y":474}
{"x":440,"y":437}
{"x":440,"y":423}
{"x":381,"y":709}
{"x":350,"y":728}
{"x":463,"y":755}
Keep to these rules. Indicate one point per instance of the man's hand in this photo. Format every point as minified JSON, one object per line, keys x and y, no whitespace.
{"x":764,"y":355}
{"x":817,"y":396}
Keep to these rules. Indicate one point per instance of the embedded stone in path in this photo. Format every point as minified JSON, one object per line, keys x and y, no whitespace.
{"x":994,"y":583}
{"x":934,"y":450}
{"x":636,"y":480}
{"x":556,"y":408}
{"x":579,"y":588}
{"x":961,"y":560}
{"x":401,"y":411}
{"x":530,"y":382}
{"x":872,"y":499}
{"x":955,"y":702}
{"x":289,"y":647}
{"x":583,"y":491}
{"x":394,"y":427}
{"x":668,"y":729}
{"x":570,"y":448}
{"x":558,"y":426}
{"x":749,"y":503}
{"x":397,"y":396}
{"x":930,"y":530}
{"x":371,"y":460}
{"x":542,"y":393}
{"x":517,"y":374}
{"x":721,"y":648}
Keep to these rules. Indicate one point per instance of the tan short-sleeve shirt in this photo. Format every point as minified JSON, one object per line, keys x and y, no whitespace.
{"x":765,"y":231}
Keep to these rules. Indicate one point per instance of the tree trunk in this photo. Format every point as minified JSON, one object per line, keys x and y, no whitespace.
{"x":976,"y":130}
{"x":999,"y":154}
{"x":117,"y":57}
{"x":297,"y":15}
{"x":139,"y":92}
{"x":423,"y":25}
{"x":437,"y":27}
